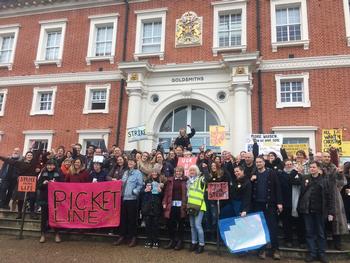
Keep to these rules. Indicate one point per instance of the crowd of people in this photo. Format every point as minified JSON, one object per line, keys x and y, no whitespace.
{"x":308,"y":195}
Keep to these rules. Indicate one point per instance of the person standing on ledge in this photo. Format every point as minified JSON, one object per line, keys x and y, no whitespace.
{"x":184,"y":139}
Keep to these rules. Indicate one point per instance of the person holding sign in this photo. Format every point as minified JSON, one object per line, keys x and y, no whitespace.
{"x":184,"y":139}
{"x":174,"y":205}
{"x":132,"y":185}
{"x":98,"y":174}
{"x":196,"y":207}
{"x":49,"y":174}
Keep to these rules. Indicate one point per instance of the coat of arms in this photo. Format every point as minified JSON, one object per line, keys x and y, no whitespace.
{"x":188,"y":30}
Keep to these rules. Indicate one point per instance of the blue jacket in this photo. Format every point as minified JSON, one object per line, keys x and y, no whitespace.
{"x":132,"y":184}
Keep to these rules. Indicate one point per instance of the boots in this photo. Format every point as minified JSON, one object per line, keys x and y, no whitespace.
{"x":193,"y":247}
{"x":119,"y":241}
{"x":179,"y":245}
{"x":132,"y":242}
{"x":170,"y":245}
{"x":200,"y":249}
{"x":42,"y":238}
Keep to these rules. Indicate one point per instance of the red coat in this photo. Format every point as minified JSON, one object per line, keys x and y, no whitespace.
{"x":81,"y":177}
{"x":168,"y":197}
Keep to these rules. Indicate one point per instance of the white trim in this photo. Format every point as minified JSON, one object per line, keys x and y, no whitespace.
{"x":304,"y":77}
{"x":87,"y":102}
{"x":305,"y":63}
{"x":346,"y":5}
{"x":46,"y":27}
{"x":37,"y":135}
{"x":303,"y":20}
{"x":93,"y":134}
{"x":298,"y":132}
{"x":147,"y":16}
{"x":228,"y":7}
{"x":35,"y":102}
{"x":47,"y":79}
{"x":7,"y":30}
{"x":95,"y":21}
{"x":3,"y":91}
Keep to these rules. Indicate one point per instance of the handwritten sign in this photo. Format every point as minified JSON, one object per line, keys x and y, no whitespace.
{"x":88,"y":205}
{"x":186,"y":162}
{"x":345,"y":148}
{"x":218,"y":191}
{"x":267,"y":143}
{"x":292,"y":149}
{"x":217,"y":135}
{"x":332,"y":138}
{"x":137,"y":133}
{"x":26,"y":183}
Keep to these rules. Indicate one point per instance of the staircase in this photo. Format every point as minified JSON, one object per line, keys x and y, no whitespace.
{"x":9,"y":225}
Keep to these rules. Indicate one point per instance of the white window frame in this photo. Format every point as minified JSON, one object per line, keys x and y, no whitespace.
{"x":93,"y":134}
{"x":7,"y":30}
{"x":2,"y":110}
{"x":95,"y":21}
{"x":36,"y":101}
{"x":298,"y":132}
{"x":45,"y":27}
{"x":37,"y":135}
{"x":305,"y":79}
{"x":149,"y":16}
{"x":303,"y":24}
{"x":347,"y":20}
{"x":229,"y":7}
{"x":87,"y":102}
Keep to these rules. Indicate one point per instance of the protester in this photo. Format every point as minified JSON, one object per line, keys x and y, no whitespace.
{"x":316,"y":205}
{"x":118,"y":169}
{"x":241,"y":192}
{"x":77,"y":173}
{"x":274,"y":162}
{"x":64,"y":170}
{"x":174,"y":205}
{"x":144,"y":164}
{"x":59,"y":155}
{"x":184,"y":139}
{"x":132,"y":185}
{"x":98,"y":174}
{"x":49,"y":174}
{"x":76,"y":153}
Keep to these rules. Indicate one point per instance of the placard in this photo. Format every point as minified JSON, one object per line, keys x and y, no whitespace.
{"x":137,"y":133}
{"x":218,"y":191}
{"x":27,"y":183}
{"x":217,"y":135}
{"x":186,"y":162}
{"x":293,"y":148}
{"x":332,"y":138}
{"x":267,"y":143}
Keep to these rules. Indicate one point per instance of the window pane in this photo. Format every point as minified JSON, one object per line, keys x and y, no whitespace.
{"x":294,"y":15}
{"x":1,"y":101}
{"x":100,"y":143}
{"x":167,"y":123}
{"x":37,"y":144}
{"x":45,"y":101}
{"x":281,"y":17}
{"x":180,"y":118}
{"x":104,"y":39}
{"x":151,"y":37}
{"x":6,"y":48}
{"x":210,"y":120}
{"x":197,"y":117}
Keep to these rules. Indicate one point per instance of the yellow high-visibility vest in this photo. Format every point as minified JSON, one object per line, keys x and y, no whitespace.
{"x":196,"y":194}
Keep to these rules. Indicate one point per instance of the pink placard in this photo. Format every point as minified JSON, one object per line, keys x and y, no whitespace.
{"x":186,"y":162}
{"x":84,"y":205}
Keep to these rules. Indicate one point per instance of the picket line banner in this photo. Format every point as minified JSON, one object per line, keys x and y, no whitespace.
{"x":332,"y":138}
{"x":137,"y":133}
{"x":293,"y":148}
{"x":186,"y":162}
{"x":267,"y":143}
{"x":217,"y":135}
{"x":84,"y":205}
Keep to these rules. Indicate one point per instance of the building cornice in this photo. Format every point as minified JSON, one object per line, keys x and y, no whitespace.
{"x":51,"y":79}
{"x":305,"y":63}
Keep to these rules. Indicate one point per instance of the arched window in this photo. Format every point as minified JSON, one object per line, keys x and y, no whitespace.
{"x":196,"y":116}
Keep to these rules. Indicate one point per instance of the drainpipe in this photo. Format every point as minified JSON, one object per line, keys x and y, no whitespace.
{"x":258,"y":44}
{"x":122,"y":82}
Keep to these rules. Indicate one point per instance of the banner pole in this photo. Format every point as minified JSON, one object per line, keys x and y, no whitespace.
{"x":23,"y":215}
{"x":217,"y":229}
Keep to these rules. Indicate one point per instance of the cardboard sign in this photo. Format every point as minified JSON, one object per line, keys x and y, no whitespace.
{"x":217,"y":135}
{"x":186,"y":162}
{"x":267,"y":143}
{"x":332,"y":138}
{"x":345,"y":149}
{"x":218,"y":191}
{"x":84,"y":205}
{"x":292,"y":149}
{"x":137,"y":133}
{"x":27,"y":183}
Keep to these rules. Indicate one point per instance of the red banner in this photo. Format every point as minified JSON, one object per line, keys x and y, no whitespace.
{"x":84,"y":205}
{"x":218,"y":191}
{"x":186,"y":162}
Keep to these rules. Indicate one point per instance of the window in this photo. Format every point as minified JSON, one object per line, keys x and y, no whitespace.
{"x":43,"y":101}
{"x":289,"y":24}
{"x":8,"y":40}
{"x":51,"y":42}
{"x":292,"y":90}
{"x":150,"y":33}
{"x":102,"y":38}
{"x":229,"y":26}
{"x":3,"y":96}
{"x":98,"y":137}
{"x":346,"y":4}
{"x":97,"y":99}
{"x":36,"y":139}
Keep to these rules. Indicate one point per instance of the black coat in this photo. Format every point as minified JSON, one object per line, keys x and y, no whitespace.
{"x":241,"y":190}
{"x":43,"y":188}
{"x":287,"y":180}
{"x":151,"y":204}
{"x":185,"y":141}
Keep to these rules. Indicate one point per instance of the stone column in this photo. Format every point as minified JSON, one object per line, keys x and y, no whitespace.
{"x":241,"y":86}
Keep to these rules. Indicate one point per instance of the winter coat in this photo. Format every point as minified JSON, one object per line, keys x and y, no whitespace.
{"x":287,"y":180}
{"x":168,"y":168}
{"x":101,"y":176}
{"x":168,"y":196}
{"x":151,"y":204}
{"x":185,"y":141}
{"x":116,"y":172}
{"x":81,"y":177}
{"x":43,"y":188}
{"x":132,"y":184}
{"x":276,"y":164}
{"x":339,"y":224}
{"x":241,"y":190}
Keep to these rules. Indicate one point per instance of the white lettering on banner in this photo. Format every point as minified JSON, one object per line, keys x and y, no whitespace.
{"x":188,"y":79}
{"x":137,"y":133}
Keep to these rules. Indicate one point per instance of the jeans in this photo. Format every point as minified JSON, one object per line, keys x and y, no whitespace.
{"x":315,"y":234}
{"x":197,"y":232}
{"x":210,"y":216}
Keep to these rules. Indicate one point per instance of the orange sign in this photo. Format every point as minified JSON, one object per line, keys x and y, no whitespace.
{"x":217,"y":135}
{"x":26,"y":184}
{"x":218,"y":191}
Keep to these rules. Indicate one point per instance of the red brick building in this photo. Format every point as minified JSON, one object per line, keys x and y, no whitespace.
{"x":264,"y":66}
